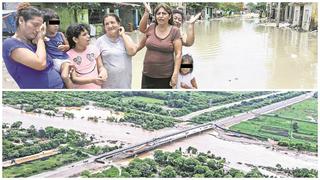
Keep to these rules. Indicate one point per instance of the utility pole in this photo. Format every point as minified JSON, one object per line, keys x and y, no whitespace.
{"x":278,"y":14}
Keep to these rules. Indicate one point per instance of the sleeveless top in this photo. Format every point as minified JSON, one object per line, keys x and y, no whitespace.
{"x":26,"y":77}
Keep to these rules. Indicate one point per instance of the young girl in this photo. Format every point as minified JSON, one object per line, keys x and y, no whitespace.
{"x":89,"y":72}
{"x":185,"y":78}
{"x":57,"y":46}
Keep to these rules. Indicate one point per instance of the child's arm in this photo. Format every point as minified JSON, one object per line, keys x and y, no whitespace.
{"x":65,"y":47}
{"x":194,"y":83}
{"x":83,"y":80}
{"x":101,"y":69}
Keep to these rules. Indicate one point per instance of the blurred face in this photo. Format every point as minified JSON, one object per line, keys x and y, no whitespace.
{"x":177,"y":19}
{"x":53,"y":26}
{"x":31,"y":27}
{"x":111,"y":26}
{"x":185,"y":70}
{"x":83,"y":39}
{"x":162,"y":16}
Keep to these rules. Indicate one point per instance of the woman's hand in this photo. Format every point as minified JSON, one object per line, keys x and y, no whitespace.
{"x":147,"y":8}
{"x":103,"y":75}
{"x":174,"y":80}
{"x":194,"y":18}
{"x":99,"y":81}
{"x":41,"y":34}
{"x":121,"y":31}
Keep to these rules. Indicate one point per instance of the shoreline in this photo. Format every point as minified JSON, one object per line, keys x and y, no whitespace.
{"x":268,"y":145}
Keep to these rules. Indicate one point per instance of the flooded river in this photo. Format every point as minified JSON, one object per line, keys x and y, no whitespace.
{"x":234,"y":152}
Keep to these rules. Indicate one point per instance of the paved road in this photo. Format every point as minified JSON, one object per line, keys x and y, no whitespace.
{"x":230,"y":121}
{"x":188,"y":117}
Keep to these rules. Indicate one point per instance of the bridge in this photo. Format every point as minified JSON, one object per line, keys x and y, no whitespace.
{"x":153,"y":143}
{"x":130,"y":151}
{"x":224,"y":122}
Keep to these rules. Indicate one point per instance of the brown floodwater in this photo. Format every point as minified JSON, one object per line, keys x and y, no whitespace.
{"x":234,"y":152}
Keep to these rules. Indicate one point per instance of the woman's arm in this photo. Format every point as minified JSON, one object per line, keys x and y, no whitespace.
{"x":142,"y":43}
{"x":130,"y":46}
{"x":144,"y":20}
{"x":188,"y":40}
{"x":28,"y":58}
{"x":177,"y":61}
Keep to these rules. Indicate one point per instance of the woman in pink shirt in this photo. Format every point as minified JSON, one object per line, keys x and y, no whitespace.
{"x":89,"y":72}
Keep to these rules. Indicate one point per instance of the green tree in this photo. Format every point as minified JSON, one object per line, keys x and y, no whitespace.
{"x":295,"y":127}
{"x":168,"y":172}
{"x":255,"y":173}
{"x":16,"y":125}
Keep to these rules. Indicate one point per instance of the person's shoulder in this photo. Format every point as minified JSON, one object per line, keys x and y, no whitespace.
{"x":12,"y":42}
{"x":70,"y":52}
{"x":175,"y":29}
{"x":61,"y":33}
{"x":93,"y":48}
{"x":151,"y":26}
{"x":102,"y":37}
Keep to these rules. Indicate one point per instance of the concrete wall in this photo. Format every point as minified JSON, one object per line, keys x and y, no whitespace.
{"x":306,"y":17}
{"x":296,"y":15}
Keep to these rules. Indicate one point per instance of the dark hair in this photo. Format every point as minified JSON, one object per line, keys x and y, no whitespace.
{"x":167,"y":9}
{"x":189,"y":58}
{"x":75,"y":30}
{"x":177,"y":11}
{"x":49,"y":14}
{"x":27,"y":12}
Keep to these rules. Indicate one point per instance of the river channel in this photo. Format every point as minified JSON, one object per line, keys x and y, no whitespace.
{"x":236,"y":153}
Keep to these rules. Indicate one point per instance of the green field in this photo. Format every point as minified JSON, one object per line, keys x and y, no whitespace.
{"x":302,"y":136}
{"x":306,"y":110}
{"x":144,"y":99}
{"x":38,"y":166}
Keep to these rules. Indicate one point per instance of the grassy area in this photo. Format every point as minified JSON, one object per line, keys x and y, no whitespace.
{"x":306,"y":110}
{"x":144,"y":99}
{"x":304,"y":136}
{"x":39,"y":166}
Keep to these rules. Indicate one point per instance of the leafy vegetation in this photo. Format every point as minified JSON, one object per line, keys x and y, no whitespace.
{"x":136,"y":105}
{"x":243,"y":107}
{"x":288,"y":131}
{"x":20,"y":142}
{"x":192,"y":164}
